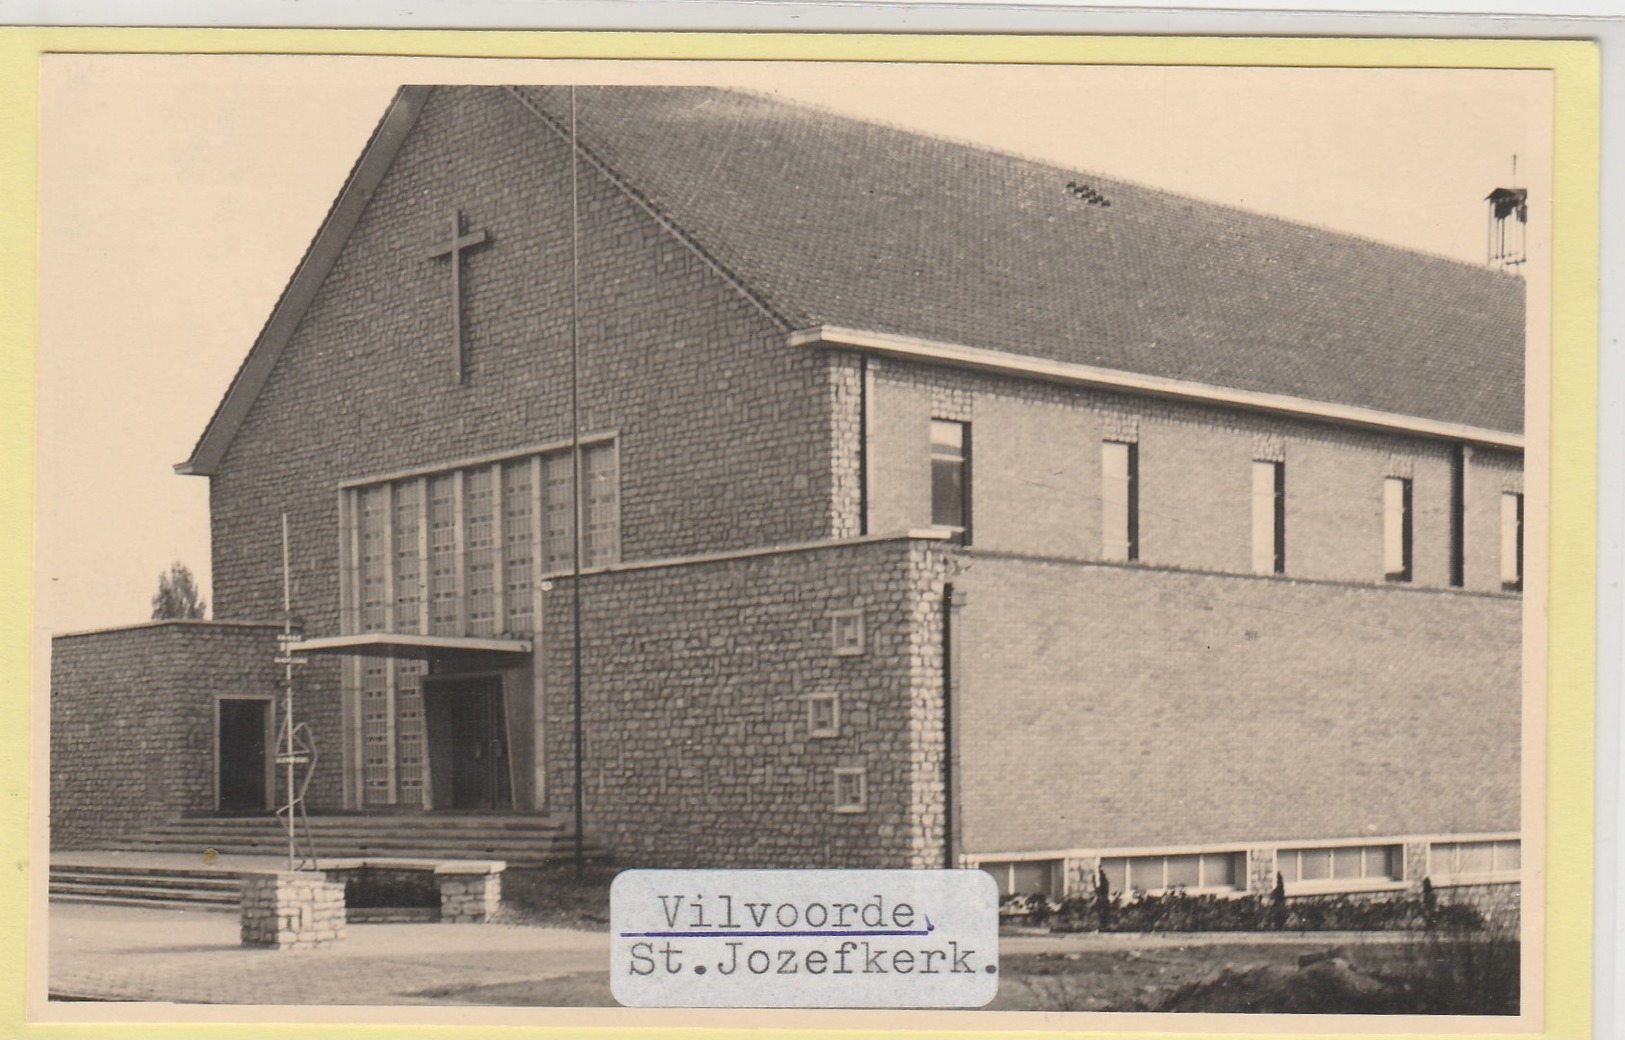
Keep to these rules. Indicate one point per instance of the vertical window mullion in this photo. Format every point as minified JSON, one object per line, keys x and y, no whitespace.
{"x":423,"y":556}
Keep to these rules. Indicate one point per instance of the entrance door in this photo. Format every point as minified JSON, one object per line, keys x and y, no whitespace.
{"x":245,"y":726}
{"x":469,"y":735}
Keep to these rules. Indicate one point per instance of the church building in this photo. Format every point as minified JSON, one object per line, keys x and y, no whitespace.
{"x":818,"y":493}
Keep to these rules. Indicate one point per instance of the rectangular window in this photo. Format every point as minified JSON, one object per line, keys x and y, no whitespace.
{"x":1192,"y":871}
{"x":1512,"y":541}
{"x":1269,"y":517}
{"x":1396,"y":528}
{"x":1346,"y":863}
{"x":847,"y":626}
{"x":1119,"y":501}
{"x":950,"y":478}
{"x":1027,"y":877}
{"x":1458,"y":516}
{"x":823,"y":715}
{"x":1450,"y":859}
{"x":851,"y":790}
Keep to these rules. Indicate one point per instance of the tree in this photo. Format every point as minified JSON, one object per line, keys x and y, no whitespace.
{"x":177,"y":595}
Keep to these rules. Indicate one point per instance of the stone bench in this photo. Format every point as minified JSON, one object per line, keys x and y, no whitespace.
{"x":305,"y":909}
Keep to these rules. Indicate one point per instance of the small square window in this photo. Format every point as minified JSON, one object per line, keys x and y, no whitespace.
{"x":847,"y":626}
{"x":823,"y":715}
{"x":851,"y":790}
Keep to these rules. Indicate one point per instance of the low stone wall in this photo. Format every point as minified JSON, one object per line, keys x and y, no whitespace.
{"x":290,"y":910}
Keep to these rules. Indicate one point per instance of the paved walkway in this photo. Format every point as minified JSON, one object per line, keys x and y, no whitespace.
{"x":193,"y":957}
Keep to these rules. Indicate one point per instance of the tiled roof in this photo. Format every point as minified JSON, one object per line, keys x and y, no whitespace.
{"x":831,"y":220}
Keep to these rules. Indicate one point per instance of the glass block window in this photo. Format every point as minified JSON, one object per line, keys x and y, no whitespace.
{"x":1205,"y":871}
{"x":458,"y":553}
{"x":600,"y":503}
{"x":377,"y":710}
{"x":375,"y":591}
{"x":518,"y":542}
{"x":1340,"y":863}
{"x":445,"y":599}
{"x":1027,"y":877}
{"x":823,"y":715}
{"x":950,"y":478}
{"x":480,"y":549}
{"x":602,"y":545}
{"x":851,"y":790}
{"x":409,"y":730}
{"x":1468,"y":858}
{"x":559,"y":526}
{"x":409,"y":552}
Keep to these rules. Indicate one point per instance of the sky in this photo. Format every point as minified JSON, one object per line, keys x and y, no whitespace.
{"x":178,"y":193}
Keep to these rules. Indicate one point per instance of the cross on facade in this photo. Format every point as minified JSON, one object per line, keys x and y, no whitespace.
{"x":459,"y":243}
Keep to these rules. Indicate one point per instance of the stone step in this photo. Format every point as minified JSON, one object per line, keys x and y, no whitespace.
{"x":134,"y":890}
{"x":147,"y":878}
{"x":434,"y":822}
{"x":146,"y":904}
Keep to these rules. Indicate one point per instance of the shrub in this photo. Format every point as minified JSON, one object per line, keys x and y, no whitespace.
{"x":1180,"y":911}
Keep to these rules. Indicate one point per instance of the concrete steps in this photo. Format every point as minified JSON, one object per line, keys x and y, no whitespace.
{"x":149,"y":887}
{"x":521,"y":841}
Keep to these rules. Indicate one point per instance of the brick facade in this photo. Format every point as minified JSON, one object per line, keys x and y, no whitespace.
{"x":721,"y":428}
{"x":133,"y":721}
{"x":1037,"y":478}
{"x":695,"y":703}
{"x":1195,"y":708}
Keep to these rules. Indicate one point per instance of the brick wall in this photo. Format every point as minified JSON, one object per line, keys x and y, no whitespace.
{"x":1109,"y":706}
{"x":1036,"y":478}
{"x":132,"y":721}
{"x":696,"y":718}
{"x":724,"y":432}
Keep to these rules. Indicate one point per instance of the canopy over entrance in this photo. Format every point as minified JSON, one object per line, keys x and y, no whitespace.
{"x":409,"y":645}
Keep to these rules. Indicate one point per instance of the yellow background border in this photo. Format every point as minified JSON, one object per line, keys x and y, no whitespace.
{"x":1572,"y":625}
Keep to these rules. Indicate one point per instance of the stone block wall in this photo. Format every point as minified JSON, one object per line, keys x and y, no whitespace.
{"x":133,"y":717}
{"x":698,"y":681}
{"x":469,"y":898}
{"x":292,"y":910}
{"x":1119,"y":707}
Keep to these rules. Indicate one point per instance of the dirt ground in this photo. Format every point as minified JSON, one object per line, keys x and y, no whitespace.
{"x":1078,"y":980}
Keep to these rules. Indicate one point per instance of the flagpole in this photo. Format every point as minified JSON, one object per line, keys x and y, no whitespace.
{"x":577,"y":479}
